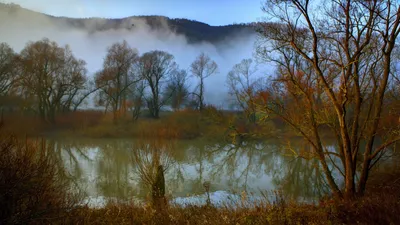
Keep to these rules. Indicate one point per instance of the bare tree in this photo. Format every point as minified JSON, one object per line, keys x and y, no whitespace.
{"x":136,"y":98}
{"x":152,"y":159}
{"x":7,"y":68}
{"x":243,"y":87}
{"x":50,"y":75}
{"x":8,"y":77}
{"x":334,"y":70}
{"x":202,"y":68}
{"x":156,"y":67}
{"x":76,"y":100}
{"x":116,"y":77}
{"x":177,"y":90}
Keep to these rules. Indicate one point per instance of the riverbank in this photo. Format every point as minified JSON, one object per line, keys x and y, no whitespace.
{"x":33,"y":191}
{"x":377,"y":207}
{"x":380,"y":205}
{"x":210,"y":124}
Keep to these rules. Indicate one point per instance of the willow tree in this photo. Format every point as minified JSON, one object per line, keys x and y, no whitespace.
{"x":7,"y":68}
{"x":334,"y":65}
{"x":50,"y":76}
{"x":8,"y":76}
{"x":156,"y":68}
{"x":152,"y":160}
{"x":116,"y":77}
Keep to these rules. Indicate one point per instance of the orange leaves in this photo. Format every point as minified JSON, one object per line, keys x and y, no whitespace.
{"x":262,"y":96}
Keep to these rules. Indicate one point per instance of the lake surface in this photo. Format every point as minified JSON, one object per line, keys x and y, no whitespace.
{"x":105,"y":169}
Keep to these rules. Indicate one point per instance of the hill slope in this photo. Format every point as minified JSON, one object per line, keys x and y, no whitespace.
{"x":194,"y":31}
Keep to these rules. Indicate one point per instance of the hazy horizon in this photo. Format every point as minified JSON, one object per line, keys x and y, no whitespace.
{"x":209,"y":12}
{"x":92,"y":47}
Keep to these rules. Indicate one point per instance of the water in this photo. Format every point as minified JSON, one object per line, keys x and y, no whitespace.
{"x":105,"y":169}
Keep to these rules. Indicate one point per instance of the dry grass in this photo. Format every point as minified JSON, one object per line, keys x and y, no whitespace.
{"x":380,"y":206}
{"x":22,"y":124}
{"x":186,"y":124}
{"x":211,"y":123}
{"x":79,"y":120}
{"x":128,"y":214}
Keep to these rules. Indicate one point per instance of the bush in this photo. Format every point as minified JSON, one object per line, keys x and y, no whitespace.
{"x":32,"y":189}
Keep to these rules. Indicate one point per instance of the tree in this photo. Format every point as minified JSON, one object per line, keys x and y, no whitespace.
{"x":202,"y":68}
{"x":76,"y":100}
{"x":177,"y":90}
{"x":7,"y":68}
{"x":50,"y":76}
{"x":8,"y":76}
{"x":152,"y":160}
{"x":243,"y":87}
{"x":156,"y":67}
{"x":136,"y":98}
{"x":333,"y":71}
{"x":116,"y":77}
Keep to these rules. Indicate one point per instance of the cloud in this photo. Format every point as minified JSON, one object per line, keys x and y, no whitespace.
{"x":19,"y":28}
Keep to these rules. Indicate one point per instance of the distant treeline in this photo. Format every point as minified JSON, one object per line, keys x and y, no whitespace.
{"x":46,"y":79}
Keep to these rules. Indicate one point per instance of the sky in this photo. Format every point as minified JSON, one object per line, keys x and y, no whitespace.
{"x":213,"y":12}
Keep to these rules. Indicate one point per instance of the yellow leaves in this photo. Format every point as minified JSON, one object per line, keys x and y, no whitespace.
{"x":306,"y":153}
{"x":292,"y":152}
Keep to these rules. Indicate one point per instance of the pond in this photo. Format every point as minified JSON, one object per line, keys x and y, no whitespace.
{"x":106,"y":169}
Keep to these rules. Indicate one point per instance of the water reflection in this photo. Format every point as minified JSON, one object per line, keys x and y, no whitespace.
{"x":105,"y":168}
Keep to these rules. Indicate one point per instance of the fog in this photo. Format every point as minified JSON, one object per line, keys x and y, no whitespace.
{"x":23,"y":26}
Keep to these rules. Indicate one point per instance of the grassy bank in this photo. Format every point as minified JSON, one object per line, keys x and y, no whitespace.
{"x":33,"y":191}
{"x":187,"y":124}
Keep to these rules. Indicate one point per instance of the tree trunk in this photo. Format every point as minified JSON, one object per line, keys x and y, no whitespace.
{"x":364,"y":177}
{"x":201,"y":97}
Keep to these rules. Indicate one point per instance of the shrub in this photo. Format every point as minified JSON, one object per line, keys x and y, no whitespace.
{"x":32,"y":189}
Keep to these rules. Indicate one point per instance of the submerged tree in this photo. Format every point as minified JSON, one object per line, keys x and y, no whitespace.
{"x":202,"y":68}
{"x":152,"y":159}
{"x":334,"y":70}
{"x":116,"y":77}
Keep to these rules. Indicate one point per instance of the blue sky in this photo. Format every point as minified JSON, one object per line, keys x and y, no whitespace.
{"x":213,"y":12}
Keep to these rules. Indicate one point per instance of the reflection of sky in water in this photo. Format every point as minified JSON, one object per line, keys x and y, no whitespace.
{"x":105,"y":170}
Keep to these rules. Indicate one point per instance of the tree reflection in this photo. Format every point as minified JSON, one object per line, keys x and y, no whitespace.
{"x":114,"y":170}
{"x":105,"y":168}
{"x":242,"y":165}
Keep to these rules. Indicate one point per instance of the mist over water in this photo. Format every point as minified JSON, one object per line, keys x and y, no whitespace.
{"x":19,"y":28}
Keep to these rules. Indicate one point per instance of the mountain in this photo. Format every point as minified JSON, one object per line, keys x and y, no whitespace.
{"x":194,"y":31}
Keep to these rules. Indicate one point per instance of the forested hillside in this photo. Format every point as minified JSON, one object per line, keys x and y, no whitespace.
{"x":195,"y":31}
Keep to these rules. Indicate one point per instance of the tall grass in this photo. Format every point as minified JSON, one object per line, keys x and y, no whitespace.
{"x":211,"y":123}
